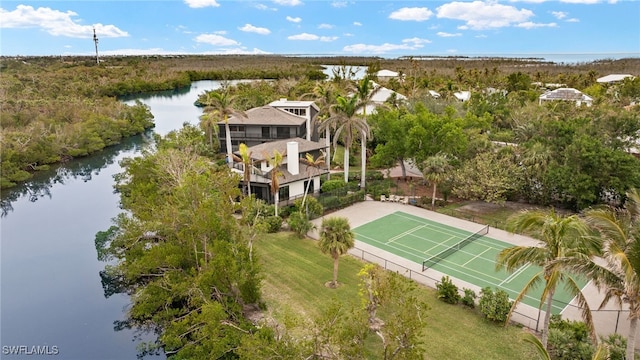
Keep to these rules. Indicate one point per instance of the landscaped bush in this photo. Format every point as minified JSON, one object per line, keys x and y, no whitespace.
{"x":469,"y":298}
{"x":274,"y":223}
{"x":312,"y":207}
{"x":616,"y":345}
{"x":330,"y":202}
{"x":494,"y":306}
{"x":447,"y":291}
{"x":331,"y":185}
{"x":299,"y":223}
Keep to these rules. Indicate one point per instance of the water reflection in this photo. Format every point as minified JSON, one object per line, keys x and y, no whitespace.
{"x":82,"y":168}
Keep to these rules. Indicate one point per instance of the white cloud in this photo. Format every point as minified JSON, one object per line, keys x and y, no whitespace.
{"x":573,"y":20}
{"x":411,"y":14}
{"x":56,"y":23}
{"x":446,"y":34}
{"x":559,"y":14}
{"x":288,"y":2}
{"x":479,"y":15}
{"x":407,"y":44}
{"x":328,"y":38}
{"x":215,"y":40}
{"x":254,"y":29}
{"x":417,"y":41}
{"x":339,"y":4}
{"x":265,"y":7}
{"x":357,"y":23}
{"x":304,"y":36}
{"x":481,"y":36}
{"x":325,"y":26}
{"x":294,"y":19}
{"x":201,"y":3}
{"x":532,"y":25}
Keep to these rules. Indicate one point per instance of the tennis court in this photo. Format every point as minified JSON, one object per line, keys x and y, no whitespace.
{"x":435,"y":246}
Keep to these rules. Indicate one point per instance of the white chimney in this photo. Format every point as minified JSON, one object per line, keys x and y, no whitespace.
{"x":293,"y":163}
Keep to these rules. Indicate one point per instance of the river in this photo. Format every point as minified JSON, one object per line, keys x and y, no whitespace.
{"x":51,"y":296}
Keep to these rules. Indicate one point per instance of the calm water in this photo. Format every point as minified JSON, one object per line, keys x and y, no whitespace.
{"x":51,"y":295}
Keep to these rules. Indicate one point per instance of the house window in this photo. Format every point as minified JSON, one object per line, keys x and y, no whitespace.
{"x":299,"y":112}
{"x":265,"y":132}
{"x":236,"y":127}
{"x":310,"y":184}
{"x":283,"y":193}
{"x":283,"y":132}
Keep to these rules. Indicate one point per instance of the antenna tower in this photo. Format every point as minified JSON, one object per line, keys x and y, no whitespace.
{"x":95,"y":40}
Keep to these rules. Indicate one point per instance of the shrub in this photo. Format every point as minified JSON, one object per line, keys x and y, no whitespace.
{"x":299,"y":223}
{"x":569,"y":339}
{"x":447,"y":291}
{"x":274,"y":223}
{"x":469,"y":298}
{"x":330,"y":202}
{"x":331,"y":185}
{"x":312,"y":205}
{"x":495,"y":306}
{"x":616,"y":345}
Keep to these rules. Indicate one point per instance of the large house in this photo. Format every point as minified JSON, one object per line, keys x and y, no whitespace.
{"x":279,"y":120}
{"x":566,"y":94}
{"x":294,"y":175}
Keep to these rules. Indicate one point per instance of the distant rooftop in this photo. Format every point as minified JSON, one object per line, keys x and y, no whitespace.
{"x":614,"y":78}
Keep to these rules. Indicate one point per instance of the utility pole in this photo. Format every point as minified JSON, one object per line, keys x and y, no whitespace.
{"x":95,"y":40}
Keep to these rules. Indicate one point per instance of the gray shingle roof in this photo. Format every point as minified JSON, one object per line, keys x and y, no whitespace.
{"x":266,"y":115}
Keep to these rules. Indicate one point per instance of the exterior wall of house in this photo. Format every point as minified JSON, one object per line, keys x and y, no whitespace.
{"x":253,"y":135}
{"x":296,"y":188}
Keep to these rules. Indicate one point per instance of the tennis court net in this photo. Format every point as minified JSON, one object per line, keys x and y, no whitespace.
{"x":453,"y":248}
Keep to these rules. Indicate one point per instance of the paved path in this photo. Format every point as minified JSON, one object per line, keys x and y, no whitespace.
{"x":608,"y":321}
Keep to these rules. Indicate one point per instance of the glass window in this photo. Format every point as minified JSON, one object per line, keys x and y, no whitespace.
{"x":283,"y":193}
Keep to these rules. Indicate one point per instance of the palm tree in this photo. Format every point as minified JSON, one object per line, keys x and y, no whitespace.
{"x":220,"y":104}
{"x":324,"y":96}
{"x":245,"y":159}
{"x":619,"y":229}
{"x":336,"y":238}
{"x":209,"y":124}
{"x":365,"y":89}
{"x":435,"y":169}
{"x":313,"y":164}
{"x":345,"y":119}
{"x":562,"y":239}
{"x":275,"y":161}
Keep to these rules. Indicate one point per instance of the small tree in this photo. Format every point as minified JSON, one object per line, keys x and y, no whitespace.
{"x":447,"y":291}
{"x":336,"y":238}
{"x":300,"y":224}
{"x":496,"y":305}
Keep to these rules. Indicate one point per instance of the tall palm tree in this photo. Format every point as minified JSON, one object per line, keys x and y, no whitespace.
{"x":209,"y":123}
{"x":435,"y":169}
{"x":365,"y":90}
{"x":336,"y":238}
{"x":312,"y":163}
{"x":324,"y":95}
{"x":275,"y":161}
{"x":347,"y":122}
{"x":562,"y":238}
{"x":245,"y":159}
{"x":220,"y":103}
{"x":619,"y":229}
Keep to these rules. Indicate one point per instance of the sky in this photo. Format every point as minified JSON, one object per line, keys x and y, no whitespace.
{"x":591,"y":29}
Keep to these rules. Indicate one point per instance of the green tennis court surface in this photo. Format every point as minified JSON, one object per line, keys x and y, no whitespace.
{"x":416,"y":239}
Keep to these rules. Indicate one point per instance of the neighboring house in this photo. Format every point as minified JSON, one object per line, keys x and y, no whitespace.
{"x":462,"y":95}
{"x":380,"y":97}
{"x":566,"y":94}
{"x":294,"y":174}
{"x":434,"y":94}
{"x":491,"y":91}
{"x":269,"y":123}
{"x":386,"y":75}
{"x":614,"y":78}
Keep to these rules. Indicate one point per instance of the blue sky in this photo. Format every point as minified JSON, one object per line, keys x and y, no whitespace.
{"x":590,"y":28}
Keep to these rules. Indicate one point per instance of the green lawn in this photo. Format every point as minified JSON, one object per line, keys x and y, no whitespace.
{"x":294,"y":275}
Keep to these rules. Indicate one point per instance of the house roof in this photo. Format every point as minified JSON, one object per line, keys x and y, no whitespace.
{"x":569,"y":94}
{"x":462,"y":95}
{"x":613,"y":78}
{"x":264,"y":151}
{"x":387,"y":73}
{"x":383,"y":94}
{"x":434,"y":94}
{"x":294,"y":103}
{"x":266,"y":115}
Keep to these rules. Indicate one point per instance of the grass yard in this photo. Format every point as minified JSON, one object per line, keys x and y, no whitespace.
{"x":294,"y":275}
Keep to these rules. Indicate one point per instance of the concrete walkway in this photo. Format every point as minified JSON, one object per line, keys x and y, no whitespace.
{"x":610,"y":319}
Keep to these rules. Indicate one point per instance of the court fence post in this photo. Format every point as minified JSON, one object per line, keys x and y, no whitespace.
{"x":538,"y":321}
